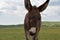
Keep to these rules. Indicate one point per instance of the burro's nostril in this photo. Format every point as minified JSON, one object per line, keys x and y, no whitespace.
{"x":32,"y":34}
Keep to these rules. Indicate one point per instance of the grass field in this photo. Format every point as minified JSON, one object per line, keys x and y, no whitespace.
{"x":17,"y":33}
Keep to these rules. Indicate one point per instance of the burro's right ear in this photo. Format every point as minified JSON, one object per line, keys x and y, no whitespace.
{"x":28,"y":5}
{"x":43,"y":6}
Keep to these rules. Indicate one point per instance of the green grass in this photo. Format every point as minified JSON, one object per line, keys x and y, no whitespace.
{"x":11,"y":34}
{"x":50,"y":34}
{"x":17,"y":33}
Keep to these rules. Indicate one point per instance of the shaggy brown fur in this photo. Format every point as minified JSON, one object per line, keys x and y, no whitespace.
{"x":33,"y":19}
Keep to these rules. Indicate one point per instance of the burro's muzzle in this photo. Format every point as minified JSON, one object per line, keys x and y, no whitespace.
{"x":32,"y":31}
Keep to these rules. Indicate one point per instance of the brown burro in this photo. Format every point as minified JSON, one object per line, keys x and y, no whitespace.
{"x":32,"y":22}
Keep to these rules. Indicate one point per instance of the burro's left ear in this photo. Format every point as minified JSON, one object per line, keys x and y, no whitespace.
{"x":43,"y":6}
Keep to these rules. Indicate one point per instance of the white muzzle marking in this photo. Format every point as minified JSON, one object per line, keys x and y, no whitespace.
{"x":33,"y":30}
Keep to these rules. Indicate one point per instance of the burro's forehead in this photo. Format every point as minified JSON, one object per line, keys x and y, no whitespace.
{"x":34,"y":10}
{"x":34,"y":7}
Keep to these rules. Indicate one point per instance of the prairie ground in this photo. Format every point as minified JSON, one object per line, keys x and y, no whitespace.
{"x":17,"y":33}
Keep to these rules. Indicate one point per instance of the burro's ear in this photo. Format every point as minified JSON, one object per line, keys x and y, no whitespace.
{"x":28,"y":5}
{"x":43,"y":6}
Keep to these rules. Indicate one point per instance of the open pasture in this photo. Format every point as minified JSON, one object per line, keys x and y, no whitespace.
{"x":47,"y":32}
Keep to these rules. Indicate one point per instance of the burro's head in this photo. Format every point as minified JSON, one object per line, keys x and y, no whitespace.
{"x":34,"y":9}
